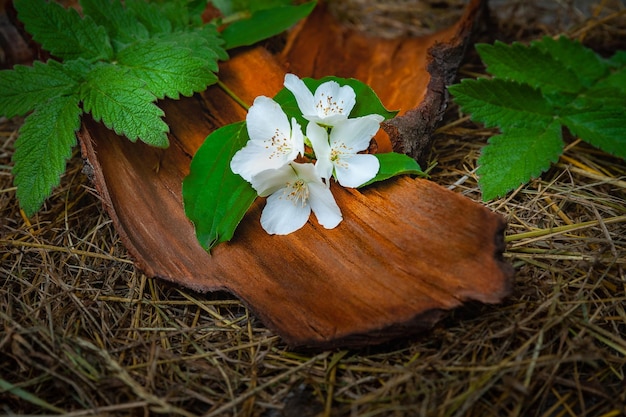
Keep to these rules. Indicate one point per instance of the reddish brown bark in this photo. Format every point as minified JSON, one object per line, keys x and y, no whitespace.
{"x":406,"y":250}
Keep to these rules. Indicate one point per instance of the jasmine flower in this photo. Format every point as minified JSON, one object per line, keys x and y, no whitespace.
{"x":293,"y":191}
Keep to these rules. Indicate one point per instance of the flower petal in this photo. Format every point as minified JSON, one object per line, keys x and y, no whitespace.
{"x":333,"y":102}
{"x":355,"y":170}
{"x":319,"y":140}
{"x":297,"y":137}
{"x":301,"y":92}
{"x":269,"y":181}
{"x":274,"y":142}
{"x":281,"y":217}
{"x":252,"y":159}
{"x":283,"y":213}
{"x":355,"y":134}
{"x":324,"y":206}
{"x":264,"y":118}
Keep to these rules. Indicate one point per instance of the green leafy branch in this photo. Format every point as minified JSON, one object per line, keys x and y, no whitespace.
{"x":114,"y":61}
{"x":533,"y":93}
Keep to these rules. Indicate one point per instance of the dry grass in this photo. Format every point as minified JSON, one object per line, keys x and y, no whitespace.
{"x":83,"y":332}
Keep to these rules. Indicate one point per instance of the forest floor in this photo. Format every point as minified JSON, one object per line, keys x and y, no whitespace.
{"x":83,"y":332}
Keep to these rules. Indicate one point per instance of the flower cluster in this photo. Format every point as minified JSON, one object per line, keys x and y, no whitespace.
{"x":293,"y":169}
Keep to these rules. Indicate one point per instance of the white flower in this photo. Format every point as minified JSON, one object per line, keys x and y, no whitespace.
{"x":339,"y":152}
{"x":273,"y":141}
{"x":294,"y":190}
{"x":330,"y":104}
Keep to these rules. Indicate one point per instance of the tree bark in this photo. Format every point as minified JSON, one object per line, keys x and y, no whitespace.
{"x":407,"y":249}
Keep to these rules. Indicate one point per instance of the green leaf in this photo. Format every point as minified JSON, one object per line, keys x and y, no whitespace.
{"x":166,"y":68}
{"x":515,"y":157}
{"x":150,"y":16}
{"x":215,"y":199}
{"x":123,"y":104}
{"x":204,"y":42}
{"x":616,"y":81}
{"x":256,"y":5}
{"x":586,"y":65}
{"x":167,"y":16}
{"x":121,"y":24}
{"x":618,"y":59}
{"x":44,"y":144}
{"x":264,"y":24}
{"x":367,"y":102}
{"x":63,"y":32}
{"x":562,"y":65}
{"x":393,"y":164}
{"x":183,"y":14}
{"x":231,"y":8}
{"x":592,"y":106}
{"x":604,"y":128}
{"x":502,"y":103}
{"x":213,"y":40}
{"x":24,"y":88}
{"x":531,"y":66}
{"x":196,"y":9}
{"x":599,"y":96}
